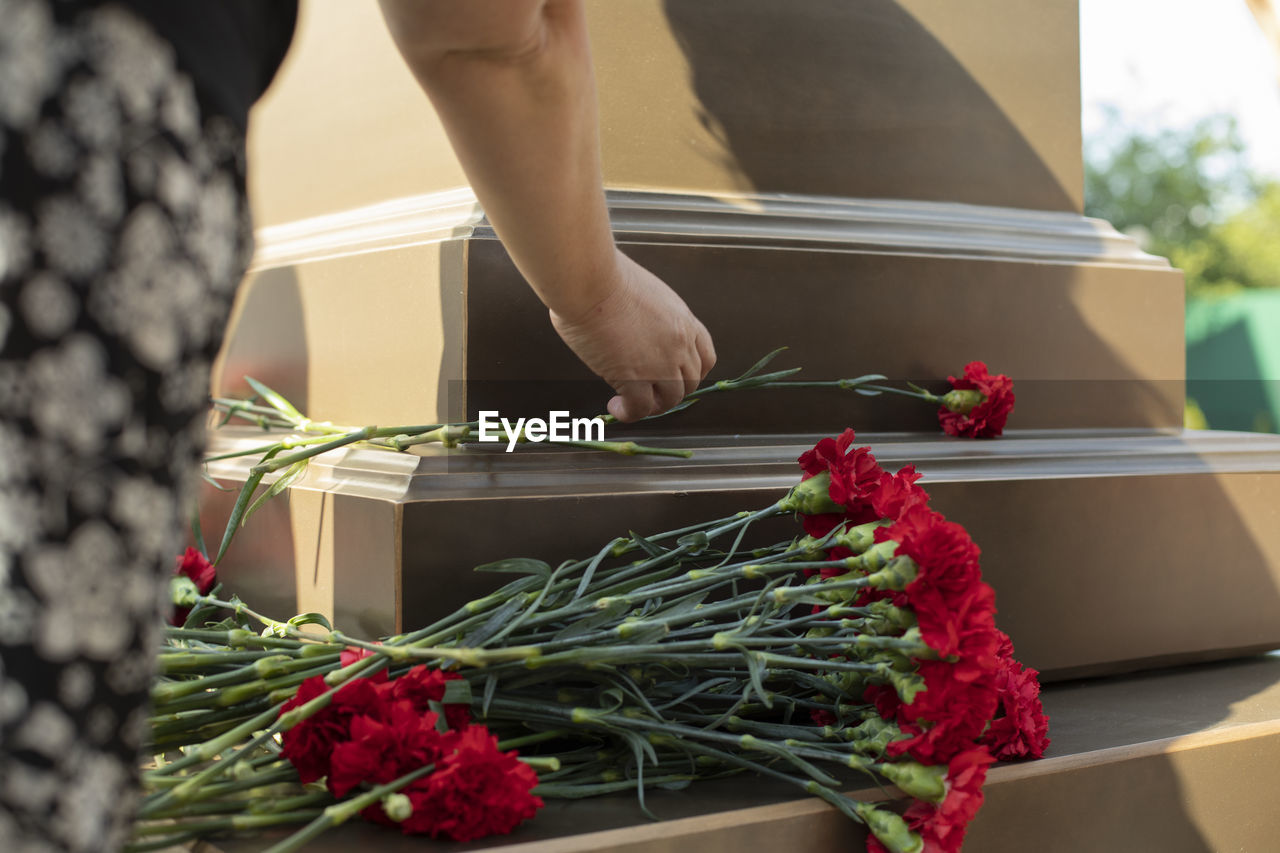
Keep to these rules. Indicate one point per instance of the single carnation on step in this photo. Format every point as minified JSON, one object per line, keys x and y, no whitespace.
{"x":978,"y":404}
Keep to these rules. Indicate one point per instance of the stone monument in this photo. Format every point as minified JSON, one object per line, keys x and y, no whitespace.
{"x":882,"y":185}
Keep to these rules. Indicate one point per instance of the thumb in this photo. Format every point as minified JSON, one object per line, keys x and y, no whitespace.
{"x":633,"y":401}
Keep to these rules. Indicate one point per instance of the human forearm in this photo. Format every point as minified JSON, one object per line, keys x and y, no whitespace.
{"x":512,"y":82}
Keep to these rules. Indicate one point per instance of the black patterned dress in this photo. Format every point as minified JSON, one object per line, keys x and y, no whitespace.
{"x":123,"y":234}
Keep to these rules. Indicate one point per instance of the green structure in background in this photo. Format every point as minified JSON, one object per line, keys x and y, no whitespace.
{"x":1233,"y":360}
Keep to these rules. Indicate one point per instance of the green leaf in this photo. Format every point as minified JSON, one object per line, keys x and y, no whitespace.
{"x":686,"y":604}
{"x":679,"y":407}
{"x":491,"y":626}
{"x":291,"y":474}
{"x":437,"y":708}
{"x":312,"y":618}
{"x":490,"y":686}
{"x":517,"y":566}
{"x":756,"y":669}
{"x":209,"y":479}
{"x":609,"y":613}
{"x":457,"y":691}
{"x":198,"y":534}
{"x":766,"y":378}
{"x":865,"y":378}
{"x":276,"y":401}
{"x":645,"y":545}
{"x":761,"y":364}
{"x":695,"y":542}
{"x":590,"y":571}
{"x":237,"y":514}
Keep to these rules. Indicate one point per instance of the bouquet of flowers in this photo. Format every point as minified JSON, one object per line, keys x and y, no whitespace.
{"x":865,"y":644}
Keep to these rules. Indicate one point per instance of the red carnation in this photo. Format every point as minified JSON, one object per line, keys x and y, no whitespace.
{"x":351,"y":654}
{"x":986,"y":419}
{"x":381,"y":750}
{"x":855,"y":474}
{"x":192,"y":564}
{"x":1023,"y":729}
{"x":475,"y":792}
{"x":953,"y":605}
{"x":943,"y":826}
{"x":421,"y":686}
{"x":309,"y":745}
{"x":947,"y":717}
{"x":898,"y":493}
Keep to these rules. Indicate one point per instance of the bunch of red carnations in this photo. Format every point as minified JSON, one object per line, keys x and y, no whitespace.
{"x":969,"y":702}
{"x":868,"y":644}
{"x":375,"y":730}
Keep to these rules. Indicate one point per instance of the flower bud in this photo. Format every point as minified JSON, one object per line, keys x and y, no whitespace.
{"x":916,"y":780}
{"x":891,"y":619}
{"x":397,"y":806}
{"x":271,"y":666}
{"x":873,"y":735}
{"x":183,"y":591}
{"x":962,"y":401}
{"x":857,"y":539}
{"x":811,"y":496}
{"x":896,"y":576}
{"x":891,"y":830}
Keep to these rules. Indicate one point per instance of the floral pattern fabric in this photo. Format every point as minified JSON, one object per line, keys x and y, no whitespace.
{"x":123,"y":233}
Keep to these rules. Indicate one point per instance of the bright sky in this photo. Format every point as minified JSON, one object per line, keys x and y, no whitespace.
{"x":1165,"y":63}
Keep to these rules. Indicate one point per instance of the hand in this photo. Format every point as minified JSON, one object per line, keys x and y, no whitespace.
{"x":643,"y":340}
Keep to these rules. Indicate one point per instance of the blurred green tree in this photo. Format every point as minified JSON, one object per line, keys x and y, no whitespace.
{"x":1189,"y":195}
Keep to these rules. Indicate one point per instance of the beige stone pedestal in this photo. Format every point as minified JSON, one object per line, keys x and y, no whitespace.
{"x":881,"y":186}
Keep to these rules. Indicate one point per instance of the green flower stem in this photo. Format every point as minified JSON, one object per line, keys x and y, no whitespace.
{"x":190,"y":787}
{"x":236,"y":823}
{"x":617,"y":582}
{"x":629,"y":448}
{"x":179,"y":739}
{"x":533,"y":739}
{"x":288,"y":443}
{"x":478,"y":609}
{"x":252,"y":805}
{"x":210,"y":749}
{"x":287,"y":804}
{"x":339,"y":813}
{"x":166,"y":843}
{"x":235,"y":637}
{"x":446,"y":436}
{"x":288,"y":459}
{"x":907,"y":645}
{"x":166,"y":692}
{"x":632,"y":627}
{"x":567,"y":791}
{"x":728,"y":758}
{"x":775,"y":730}
{"x":190,"y":810}
{"x":171,"y":724}
{"x":465,"y":656}
{"x":246,"y":783}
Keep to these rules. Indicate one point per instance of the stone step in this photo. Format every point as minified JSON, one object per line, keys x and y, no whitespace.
{"x":1109,"y":551}
{"x":412,"y":312}
{"x":1183,"y":760}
